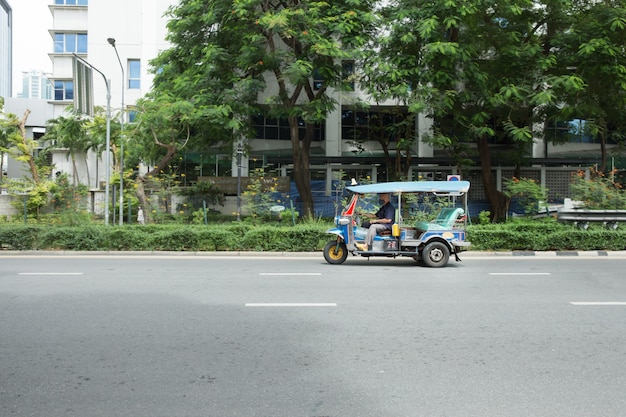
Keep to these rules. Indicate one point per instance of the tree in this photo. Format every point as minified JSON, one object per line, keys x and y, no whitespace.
{"x":162,"y":128}
{"x":481,"y":70}
{"x":225,"y":52}
{"x":594,"y":50}
{"x":70,"y":132}
{"x":21,"y":148}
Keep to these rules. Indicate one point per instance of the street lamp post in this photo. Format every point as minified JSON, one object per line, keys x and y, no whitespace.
{"x":108,"y":139}
{"x":239,"y":156}
{"x":112,"y":43}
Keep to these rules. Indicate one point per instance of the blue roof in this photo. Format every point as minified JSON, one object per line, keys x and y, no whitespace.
{"x":442,"y":187}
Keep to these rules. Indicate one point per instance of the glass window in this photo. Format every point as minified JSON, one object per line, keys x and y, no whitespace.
{"x":362,"y":125}
{"x":318,"y":79}
{"x":347,"y":73}
{"x":70,"y":42}
{"x":63,"y":90}
{"x":81,"y":43}
{"x":134,"y":74}
{"x":572,"y":131}
{"x":278,"y":129}
{"x":59,"y":43}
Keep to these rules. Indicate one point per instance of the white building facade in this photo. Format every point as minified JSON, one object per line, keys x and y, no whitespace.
{"x":83,"y":28}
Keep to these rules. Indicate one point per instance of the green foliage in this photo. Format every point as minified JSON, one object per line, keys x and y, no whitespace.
{"x":484,"y":217}
{"x":36,"y":194}
{"x":533,"y":235}
{"x":18,"y":237}
{"x":69,"y":202}
{"x":599,"y":192}
{"x":518,"y":235}
{"x":253,"y":42}
{"x":528,"y":193}
{"x":201,"y":192}
{"x":260,"y":196}
{"x":72,"y":238}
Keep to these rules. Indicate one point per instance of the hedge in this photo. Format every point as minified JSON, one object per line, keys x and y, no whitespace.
{"x":513,"y":236}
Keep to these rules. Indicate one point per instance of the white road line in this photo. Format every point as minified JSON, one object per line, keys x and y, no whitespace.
{"x":291,"y":304}
{"x":520,"y":273}
{"x":50,"y":273}
{"x":598,"y":303}
{"x":288,"y":273}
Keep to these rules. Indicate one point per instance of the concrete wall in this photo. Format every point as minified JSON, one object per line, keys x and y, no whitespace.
{"x":6,"y":209}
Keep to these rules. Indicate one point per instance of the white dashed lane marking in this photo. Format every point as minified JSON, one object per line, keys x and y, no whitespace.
{"x":291,"y":304}
{"x":598,"y":303}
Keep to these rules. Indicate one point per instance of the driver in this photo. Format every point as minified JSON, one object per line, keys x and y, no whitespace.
{"x":382,"y":220}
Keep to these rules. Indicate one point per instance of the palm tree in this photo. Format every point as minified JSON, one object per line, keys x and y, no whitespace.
{"x":70,"y":132}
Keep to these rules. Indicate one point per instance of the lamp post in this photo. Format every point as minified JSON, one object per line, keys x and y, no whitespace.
{"x":108,"y":139}
{"x":112,"y":43}
{"x":239,"y":156}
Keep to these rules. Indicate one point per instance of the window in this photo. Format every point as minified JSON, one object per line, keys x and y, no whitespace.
{"x":347,"y":74}
{"x":278,"y":129}
{"x":134,"y":74}
{"x":318,"y":79}
{"x":571,"y":131}
{"x":362,"y":125}
{"x":72,"y":2}
{"x":70,"y":42}
{"x":63,"y":90}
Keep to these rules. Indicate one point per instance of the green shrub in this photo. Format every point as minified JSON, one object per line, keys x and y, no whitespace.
{"x":72,"y":238}
{"x":18,"y":237}
{"x":128,"y":238}
{"x":517,"y":235}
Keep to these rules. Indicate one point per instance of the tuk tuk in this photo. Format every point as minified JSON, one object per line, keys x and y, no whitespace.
{"x":429,"y":243}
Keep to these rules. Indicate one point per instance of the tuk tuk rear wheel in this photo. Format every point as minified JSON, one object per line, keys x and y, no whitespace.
{"x":335,"y":252}
{"x":436,"y":254}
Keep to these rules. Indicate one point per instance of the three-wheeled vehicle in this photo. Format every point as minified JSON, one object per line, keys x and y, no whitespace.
{"x":430,"y":243}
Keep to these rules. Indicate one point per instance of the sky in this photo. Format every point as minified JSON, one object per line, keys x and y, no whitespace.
{"x":31,"y":41}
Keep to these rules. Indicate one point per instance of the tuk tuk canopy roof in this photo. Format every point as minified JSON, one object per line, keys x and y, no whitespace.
{"x":438,"y":187}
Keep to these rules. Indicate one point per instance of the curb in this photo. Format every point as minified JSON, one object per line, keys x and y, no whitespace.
{"x":466,"y":254}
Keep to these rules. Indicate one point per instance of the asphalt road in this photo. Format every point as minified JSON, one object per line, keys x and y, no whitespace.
{"x":296,"y":337}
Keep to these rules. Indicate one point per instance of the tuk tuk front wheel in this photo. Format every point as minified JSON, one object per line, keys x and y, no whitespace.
{"x":335,"y":252}
{"x":436,"y":254}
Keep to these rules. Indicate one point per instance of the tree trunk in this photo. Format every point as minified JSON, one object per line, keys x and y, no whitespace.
{"x":497,"y":200}
{"x":75,"y":168}
{"x":140,"y":191}
{"x":31,"y":161}
{"x":301,"y":169}
{"x":602,"y":138}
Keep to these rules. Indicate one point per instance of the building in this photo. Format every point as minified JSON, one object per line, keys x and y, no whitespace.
{"x":36,"y":85}
{"x":6,"y":49}
{"x":98,"y":33}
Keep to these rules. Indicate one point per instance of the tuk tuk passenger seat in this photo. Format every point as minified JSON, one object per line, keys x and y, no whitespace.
{"x":446,"y":219}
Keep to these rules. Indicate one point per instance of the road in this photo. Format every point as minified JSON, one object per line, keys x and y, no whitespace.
{"x":295,"y":337}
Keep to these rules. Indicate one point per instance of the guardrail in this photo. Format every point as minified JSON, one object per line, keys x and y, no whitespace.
{"x":582,"y":217}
